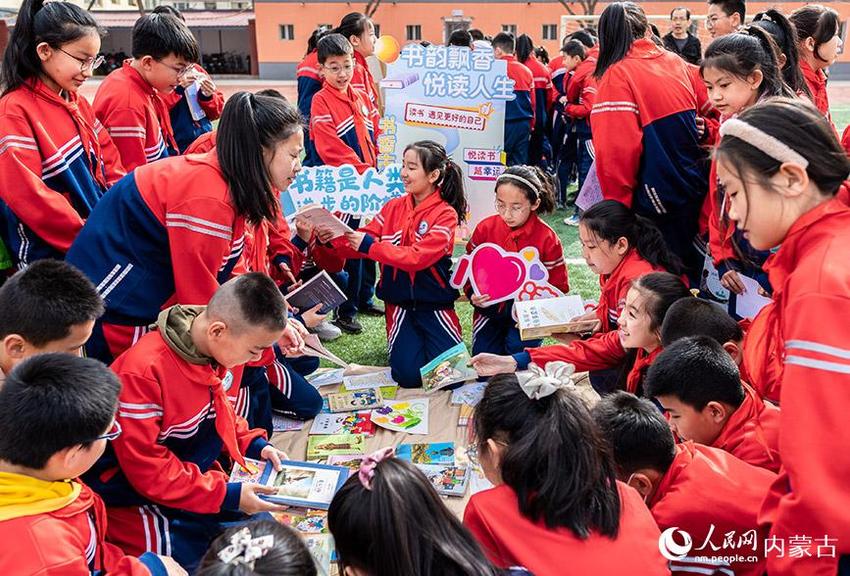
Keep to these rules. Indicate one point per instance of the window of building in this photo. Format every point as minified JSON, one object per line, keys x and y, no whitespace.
{"x":414,"y":32}
{"x":287,"y":31}
{"x":550,"y":31}
{"x":511,"y":28}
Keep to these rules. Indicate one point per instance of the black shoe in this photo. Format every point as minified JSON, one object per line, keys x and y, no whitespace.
{"x":372,"y":309}
{"x":348,"y":325}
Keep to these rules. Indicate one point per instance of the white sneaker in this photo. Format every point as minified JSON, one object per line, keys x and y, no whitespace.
{"x":571,"y":220}
{"x":327,"y":331}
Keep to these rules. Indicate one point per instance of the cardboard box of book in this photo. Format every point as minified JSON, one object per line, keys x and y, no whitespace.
{"x":541,"y":318}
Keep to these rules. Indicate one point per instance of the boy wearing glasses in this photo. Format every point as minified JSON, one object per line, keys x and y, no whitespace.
{"x":725,"y":17}
{"x":57,"y":412}
{"x":132,"y":101}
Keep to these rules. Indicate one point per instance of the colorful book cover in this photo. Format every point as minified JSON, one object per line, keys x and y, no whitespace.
{"x":343,"y":423}
{"x":324,"y":446}
{"x":436,"y":453}
{"x":447,"y":480}
{"x":284,"y":424}
{"x":304,"y":521}
{"x":298,"y":484}
{"x":350,"y":461}
{"x":321,"y":547}
{"x":450,"y":367}
{"x":465,"y":417}
{"x":358,"y":400}
{"x":409,"y":416}
{"x":470,"y":394}
{"x":377,"y":379}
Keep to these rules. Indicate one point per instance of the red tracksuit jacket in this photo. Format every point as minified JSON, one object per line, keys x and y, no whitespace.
{"x":136,"y":116}
{"x":56,"y":161}
{"x":363,"y":80}
{"x":816,"y":81}
{"x":707,"y":493}
{"x":542,"y":79}
{"x":511,"y":539}
{"x":752,"y":432}
{"x":524,"y":105}
{"x":615,"y":286}
{"x":804,"y":343}
{"x":581,"y":89}
{"x":413,"y":245}
{"x":69,"y":542}
{"x":343,"y":127}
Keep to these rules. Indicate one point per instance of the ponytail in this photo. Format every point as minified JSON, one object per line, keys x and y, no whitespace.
{"x":352,"y":24}
{"x":524,"y":48}
{"x":433,"y":156}
{"x":784,"y":34}
{"x":554,"y":459}
{"x":817,"y":22}
{"x":620,"y":24}
{"x":611,"y":220}
{"x":55,"y":23}
{"x":541,"y":187}
{"x":250,"y":125}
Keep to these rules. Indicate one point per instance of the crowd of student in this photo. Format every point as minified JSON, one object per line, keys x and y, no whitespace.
{"x":158,"y":247}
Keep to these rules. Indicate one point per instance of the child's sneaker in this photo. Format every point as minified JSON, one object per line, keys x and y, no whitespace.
{"x":571,"y":220}
{"x":326,"y":331}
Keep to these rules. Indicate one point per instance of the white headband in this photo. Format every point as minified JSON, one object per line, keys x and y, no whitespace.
{"x":519,"y":179}
{"x":543,"y":382}
{"x":756,"y":138}
{"x":245,"y":549}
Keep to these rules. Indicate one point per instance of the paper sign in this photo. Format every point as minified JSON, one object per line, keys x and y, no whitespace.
{"x":409,"y":416}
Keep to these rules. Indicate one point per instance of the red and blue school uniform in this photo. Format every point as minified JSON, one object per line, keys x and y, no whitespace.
{"x":581,"y":94}
{"x":186,"y":128}
{"x":343,"y":128}
{"x":59,"y":529}
{"x":509,"y":538}
{"x":798,"y":348}
{"x":613,"y":288}
{"x":558,"y":74}
{"x":519,"y":112}
{"x":308,"y":83}
{"x":599,"y":352}
{"x":56,"y":162}
{"x":413,"y":245}
{"x":816,"y":82}
{"x":493,"y":327}
{"x":362,"y":79}
{"x":540,"y":152}
{"x":651,"y":160}
{"x":708,"y":493}
{"x":136,"y":117}
{"x":162,"y":481}
{"x":752,"y":432}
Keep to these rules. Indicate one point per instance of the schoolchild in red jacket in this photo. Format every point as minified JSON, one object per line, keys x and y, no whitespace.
{"x":132,"y":102}
{"x":56,"y":160}
{"x":359,"y":30}
{"x":540,"y":151}
{"x":210,"y":100}
{"x":51,"y":523}
{"x":309,"y":81}
{"x":173,"y":231}
{"x":647,"y":301}
{"x":519,"y":112}
{"x":412,"y":240}
{"x":539,"y":446}
{"x":522,"y":193}
{"x":163,"y":484}
{"x":648,"y":154}
{"x":819,"y":42}
{"x":797,"y":346}
{"x":698,"y":385}
{"x":578,"y":103}
{"x":704,"y":492}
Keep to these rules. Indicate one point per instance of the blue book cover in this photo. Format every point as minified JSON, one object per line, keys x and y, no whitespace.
{"x":298,"y":484}
{"x":436,"y":453}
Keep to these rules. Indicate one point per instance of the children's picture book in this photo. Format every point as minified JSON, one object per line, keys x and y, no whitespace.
{"x":409,"y":416}
{"x":469,"y":393}
{"x":540,"y":318}
{"x":368,"y":399}
{"x":450,"y":367}
{"x":284,"y":424}
{"x":378,"y":379}
{"x":343,"y":423}
{"x":349,"y":461}
{"x":319,"y":289}
{"x":436,"y":453}
{"x":477,"y":481}
{"x":304,"y":521}
{"x":298,"y":484}
{"x":321,"y":547}
{"x":465,"y":416}
{"x":319,"y":216}
{"x":314,"y":347}
{"x":326,"y":377}
{"x":447,"y":480}
{"x":319,"y":447}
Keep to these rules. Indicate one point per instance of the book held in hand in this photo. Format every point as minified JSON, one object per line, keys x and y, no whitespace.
{"x":319,"y":289}
{"x":321,"y":217}
{"x":450,"y":367}
{"x":540,"y":318}
{"x":298,"y":484}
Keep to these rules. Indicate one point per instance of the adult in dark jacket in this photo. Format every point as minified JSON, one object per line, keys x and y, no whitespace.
{"x":679,"y":40}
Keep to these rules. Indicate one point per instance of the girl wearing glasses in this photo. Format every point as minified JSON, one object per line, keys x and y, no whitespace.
{"x":522,"y":192}
{"x":56,"y":160}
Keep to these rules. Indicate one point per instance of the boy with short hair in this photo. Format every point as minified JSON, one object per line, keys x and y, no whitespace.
{"x":519,"y":112}
{"x":162,"y":482}
{"x":698,"y":385}
{"x":49,"y":306}
{"x":56,"y":414}
{"x":690,"y":488}
{"x":131,"y":101}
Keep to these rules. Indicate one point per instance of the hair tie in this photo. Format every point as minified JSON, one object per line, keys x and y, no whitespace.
{"x":543,"y":382}
{"x":244,"y":549}
{"x":762,"y":141}
{"x":506,"y":176}
{"x":370,"y":462}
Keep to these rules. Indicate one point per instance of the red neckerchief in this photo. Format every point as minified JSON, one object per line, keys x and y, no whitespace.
{"x":642,"y":363}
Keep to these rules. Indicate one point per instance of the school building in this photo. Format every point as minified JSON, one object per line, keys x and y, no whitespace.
{"x":283,"y":26}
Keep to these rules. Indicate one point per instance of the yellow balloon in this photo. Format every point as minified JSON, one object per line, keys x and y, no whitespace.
{"x":387,"y":49}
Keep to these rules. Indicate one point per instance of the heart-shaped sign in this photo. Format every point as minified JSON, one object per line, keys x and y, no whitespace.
{"x":496,"y":273}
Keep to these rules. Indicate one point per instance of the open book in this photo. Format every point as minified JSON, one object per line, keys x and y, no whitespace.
{"x":299,"y":484}
{"x":547,"y":316}
{"x":319,"y":216}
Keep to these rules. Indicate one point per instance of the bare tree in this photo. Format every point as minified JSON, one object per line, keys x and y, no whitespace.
{"x":588,"y":7}
{"x":371,"y":7}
